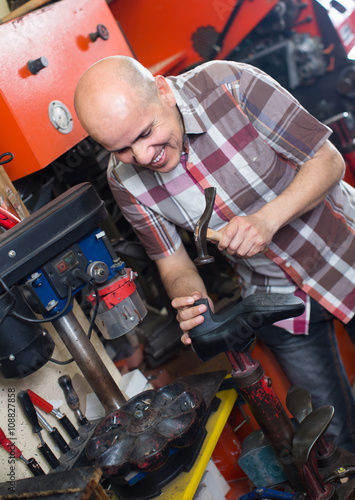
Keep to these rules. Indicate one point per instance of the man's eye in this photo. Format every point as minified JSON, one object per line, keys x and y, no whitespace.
{"x":120,"y":151}
{"x":147,"y":134}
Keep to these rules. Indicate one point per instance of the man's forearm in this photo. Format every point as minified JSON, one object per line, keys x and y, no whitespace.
{"x":179,"y":275}
{"x":251,"y":234}
{"x":310,"y":186}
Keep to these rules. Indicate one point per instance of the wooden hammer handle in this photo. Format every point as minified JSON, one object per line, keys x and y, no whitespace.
{"x":213,"y":235}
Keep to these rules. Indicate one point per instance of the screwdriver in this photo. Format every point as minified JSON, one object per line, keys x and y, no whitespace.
{"x":31,"y":415}
{"x":31,"y":463}
{"x":73,"y":399}
{"x":42,"y":404}
{"x":56,"y":437}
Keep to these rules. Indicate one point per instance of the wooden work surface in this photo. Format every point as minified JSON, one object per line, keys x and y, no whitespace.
{"x":77,"y":484}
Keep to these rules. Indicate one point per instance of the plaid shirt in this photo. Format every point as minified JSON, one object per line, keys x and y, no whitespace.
{"x":246,"y":136}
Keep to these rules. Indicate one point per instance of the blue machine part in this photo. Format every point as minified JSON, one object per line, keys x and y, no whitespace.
{"x":47,"y":283}
{"x":259,"y":461}
{"x":268,"y":493}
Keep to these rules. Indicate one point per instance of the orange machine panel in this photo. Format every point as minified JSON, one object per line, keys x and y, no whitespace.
{"x":161,"y":33}
{"x":38,"y":121}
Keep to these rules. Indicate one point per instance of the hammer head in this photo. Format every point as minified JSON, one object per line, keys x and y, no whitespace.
{"x":200,"y":232}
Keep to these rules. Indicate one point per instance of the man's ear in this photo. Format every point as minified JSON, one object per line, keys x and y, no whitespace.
{"x":164,"y":90}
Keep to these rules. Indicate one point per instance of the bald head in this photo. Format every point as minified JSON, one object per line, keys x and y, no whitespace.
{"x":110,"y":89}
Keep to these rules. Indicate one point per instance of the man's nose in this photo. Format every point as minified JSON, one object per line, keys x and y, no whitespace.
{"x":142,"y":154}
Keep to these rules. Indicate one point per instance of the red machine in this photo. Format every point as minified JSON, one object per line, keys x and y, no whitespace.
{"x":303,"y":44}
{"x":43,"y":54}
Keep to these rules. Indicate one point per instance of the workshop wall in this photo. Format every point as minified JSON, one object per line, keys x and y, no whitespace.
{"x":4,"y":8}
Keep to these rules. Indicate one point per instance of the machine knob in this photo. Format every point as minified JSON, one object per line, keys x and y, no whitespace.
{"x":36,"y":65}
{"x":101,"y":32}
{"x":99,"y":271}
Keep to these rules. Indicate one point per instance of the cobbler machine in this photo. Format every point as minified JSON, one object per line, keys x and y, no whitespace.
{"x":45,"y":260}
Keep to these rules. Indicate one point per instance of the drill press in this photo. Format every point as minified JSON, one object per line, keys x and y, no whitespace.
{"x":44,"y":261}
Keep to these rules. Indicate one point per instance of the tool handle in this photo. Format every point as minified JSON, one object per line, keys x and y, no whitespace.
{"x":70,"y":395}
{"x":41,"y":403}
{"x":34,"y":467}
{"x":59,"y":440}
{"x":48,"y":455}
{"x":9,"y":445}
{"x":69,"y":427}
{"x":83,"y":420}
{"x":213,"y":235}
{"x":29,"y":411}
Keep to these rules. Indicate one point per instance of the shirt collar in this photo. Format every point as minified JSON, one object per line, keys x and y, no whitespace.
{"x":189,"y":109}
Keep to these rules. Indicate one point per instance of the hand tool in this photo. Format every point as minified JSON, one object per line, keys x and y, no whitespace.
{"x":202,"y":232}
{"x":68,"y":453}
{"x":72,"y":399}
{"x":31,"y":463}
{"x":31,"y":415}
{"x":42,"y":404}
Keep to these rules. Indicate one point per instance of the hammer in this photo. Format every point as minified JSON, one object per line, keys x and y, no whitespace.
{"x":202,"y":232}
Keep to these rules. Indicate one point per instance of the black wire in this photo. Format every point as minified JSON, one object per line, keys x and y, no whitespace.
{"x":96,"y":307}
{"x":32,"y":320}
{"x":57,"y":362}
{"x":36,"y":320}
{"x":85,"y":277}
{"x":10,"y":306}
{"x":49,"y":318}
{"x":10,"y":155}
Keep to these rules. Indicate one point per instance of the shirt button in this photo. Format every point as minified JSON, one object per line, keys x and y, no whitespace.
{"x":288,"y":264}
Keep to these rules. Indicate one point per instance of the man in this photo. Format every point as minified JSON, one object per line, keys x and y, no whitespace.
{"x":285,"y":216}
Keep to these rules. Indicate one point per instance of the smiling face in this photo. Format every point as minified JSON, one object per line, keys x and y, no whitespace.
{"x":148,"y":134}
{"x":131,"y":114}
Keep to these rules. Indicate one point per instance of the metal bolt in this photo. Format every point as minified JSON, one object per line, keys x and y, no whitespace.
{"x":51,"y":305}
{"x":12,"y":357}
{"x":12,"y":254}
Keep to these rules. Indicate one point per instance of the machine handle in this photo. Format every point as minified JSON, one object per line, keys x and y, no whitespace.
{"x":72,"y":398}
{"x":9,"y":445}
{"x":69,"y":427}
{"x":70,"y":395}
{"x":29,"y":411}
{"x":41,"y":403}
{"x":34,"y":467}
{"x":48,"y":455}
{"x":59,"y":440}
{"x":101,"y":32}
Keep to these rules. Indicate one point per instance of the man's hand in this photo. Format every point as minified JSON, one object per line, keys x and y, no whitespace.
{"x":246,"y":236}
{"x":189,"y":315}
{"x":251,"y":234}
